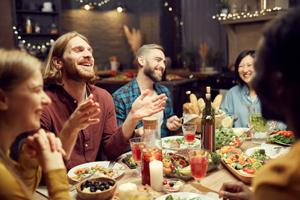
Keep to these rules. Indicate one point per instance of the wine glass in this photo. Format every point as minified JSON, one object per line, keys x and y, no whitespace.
{"x":189,"y":132}
{"x":199,"y":163}
{"x":136,"y":145}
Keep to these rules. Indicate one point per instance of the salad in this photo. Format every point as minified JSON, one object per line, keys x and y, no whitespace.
{"x":283,"y":137}
{"x":81,"y":173}
{"x":226,"y":136}
{"x":238,"y":160}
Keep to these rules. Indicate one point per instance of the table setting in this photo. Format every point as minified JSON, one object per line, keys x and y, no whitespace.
{"x":174,"y":167}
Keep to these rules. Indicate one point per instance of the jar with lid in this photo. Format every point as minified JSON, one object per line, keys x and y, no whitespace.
{"x":152,"y":150}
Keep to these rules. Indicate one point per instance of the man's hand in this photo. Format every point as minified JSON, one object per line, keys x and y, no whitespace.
{"x":139,"y":131}
{"x":85,"y":115}
{"x":235,"y":191}
{"x":145,"y":106}
{"x":174,"y":123}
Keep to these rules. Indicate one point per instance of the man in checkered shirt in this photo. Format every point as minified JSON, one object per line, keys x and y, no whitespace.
{"x":151,"y":62}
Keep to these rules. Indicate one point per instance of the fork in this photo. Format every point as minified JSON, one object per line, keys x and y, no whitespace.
{"x":111,"y":164}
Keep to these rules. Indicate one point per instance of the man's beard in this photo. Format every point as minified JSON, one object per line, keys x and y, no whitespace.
{"x":151,"y":74}
{"x":77,"y":74}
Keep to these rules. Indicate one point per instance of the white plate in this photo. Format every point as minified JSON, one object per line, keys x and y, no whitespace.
{"x":188,"y":196}
{"x":167,"y":145}
{"x":273,"y":151}
{"x":239,"y":131}
{"x":118,"y":170}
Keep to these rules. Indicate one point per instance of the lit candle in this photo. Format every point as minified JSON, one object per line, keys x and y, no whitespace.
{"x":156,"y":174}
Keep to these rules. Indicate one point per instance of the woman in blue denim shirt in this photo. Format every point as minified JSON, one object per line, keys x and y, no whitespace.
{"x":241,"y":99}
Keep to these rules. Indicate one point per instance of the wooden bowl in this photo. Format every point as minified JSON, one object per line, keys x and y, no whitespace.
{"x":99,"y":195}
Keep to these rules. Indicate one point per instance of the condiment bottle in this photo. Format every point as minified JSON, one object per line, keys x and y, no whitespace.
{"x":28,"y":25}
{"x":208,"y":124}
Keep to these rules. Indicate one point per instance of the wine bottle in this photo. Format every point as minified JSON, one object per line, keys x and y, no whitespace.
{"x":208,"y":124}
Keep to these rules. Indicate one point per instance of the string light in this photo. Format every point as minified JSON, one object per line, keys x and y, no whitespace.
{"x":22,"y":43}
{"x":167,"y":5}
{"x":170,"y":9}
{"x":90,"y":5}
{"x":244,"y":15}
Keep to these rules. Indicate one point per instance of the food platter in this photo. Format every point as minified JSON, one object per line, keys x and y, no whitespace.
{"x":285,"y":138}
{"x":246,"y":178}
{"x":96,"y":169}
{"x":176,"y":166}
{"x":240,"y":164}
{"x":187,"y":196}
{"x":227,"y":136}
{"x":178,"y":142}
{"x":272,"y":151}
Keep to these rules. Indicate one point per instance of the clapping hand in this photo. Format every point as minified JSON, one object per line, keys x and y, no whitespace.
{"x":86,"y":114}
{"x":145,"y":106}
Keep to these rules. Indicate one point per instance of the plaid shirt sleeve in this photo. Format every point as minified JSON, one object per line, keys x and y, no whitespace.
{"x":123,"y":99}
{"x":120,"y":107}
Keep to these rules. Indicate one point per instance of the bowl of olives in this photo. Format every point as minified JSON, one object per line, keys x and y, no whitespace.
{"x":100,"y":188}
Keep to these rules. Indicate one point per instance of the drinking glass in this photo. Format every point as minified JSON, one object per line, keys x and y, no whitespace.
{"x":257,"y":122}
{"x":259,"y":127}
{"x":189,"y":132}
{"x":199,"y":163}
{"x":149,"y":153}
{"x":136,"y":145}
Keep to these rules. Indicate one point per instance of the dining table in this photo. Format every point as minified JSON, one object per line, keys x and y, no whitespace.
{"x":211,"y":183}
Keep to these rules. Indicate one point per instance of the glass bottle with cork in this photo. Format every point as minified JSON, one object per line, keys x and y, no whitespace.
{"x":152,"y":150}
{"x":208,"y":124}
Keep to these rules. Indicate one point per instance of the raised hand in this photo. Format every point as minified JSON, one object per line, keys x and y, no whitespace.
{"x":86,"y":114}
{"x":145,"y":105}
{"x":134,"y":38}
{"x":174,"y":123}
{"x":235,"y":191}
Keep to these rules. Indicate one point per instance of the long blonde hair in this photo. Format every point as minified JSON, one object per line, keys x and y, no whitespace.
{"x":51,"y":73}
{"x":15,"y":68}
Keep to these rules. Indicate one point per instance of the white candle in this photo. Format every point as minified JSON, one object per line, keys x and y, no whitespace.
{"x":156,"y":174}
{"x":127,"y":191}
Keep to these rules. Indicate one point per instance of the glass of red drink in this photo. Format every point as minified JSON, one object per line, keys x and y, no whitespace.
{"x":189,"y":132}
{"x":149,"y":154}
{"x":136,"y":145}
{"x":199,"y":163}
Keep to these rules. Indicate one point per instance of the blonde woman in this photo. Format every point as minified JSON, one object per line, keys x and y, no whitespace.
{"x":21,"y":101}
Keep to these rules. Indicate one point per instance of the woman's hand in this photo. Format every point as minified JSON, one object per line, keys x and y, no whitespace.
{"x":47,"y":148}
{"x":235,"y":191}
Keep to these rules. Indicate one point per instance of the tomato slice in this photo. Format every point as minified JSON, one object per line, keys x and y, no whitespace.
{"x":286,"y":133}
{"x":249,"y":170}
